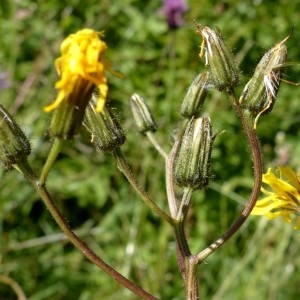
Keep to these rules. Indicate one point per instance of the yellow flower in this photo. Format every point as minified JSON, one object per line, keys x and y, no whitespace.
{"x":284,"y":200}
{"x":81,"y":68}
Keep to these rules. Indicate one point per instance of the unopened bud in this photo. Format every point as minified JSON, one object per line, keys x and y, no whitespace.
{"x":224,"y":70}
{"x":142,"y":114}
{"x":14,"y":145}
{"x":195,"y":96}
{"x":260,"y":92}
{"x":193,"y":161}
{"x":106,"y":132}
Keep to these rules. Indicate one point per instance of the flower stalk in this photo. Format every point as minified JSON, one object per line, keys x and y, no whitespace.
{"x":125,"y":169}
{"x":52,"y":155}
{"x":28,"y":173}
{"x":256,"y":155}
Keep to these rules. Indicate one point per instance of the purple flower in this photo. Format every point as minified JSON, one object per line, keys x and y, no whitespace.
{"x":174,"y":11}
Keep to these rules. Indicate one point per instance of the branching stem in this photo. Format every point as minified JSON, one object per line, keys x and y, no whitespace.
{"x":254,"y":145}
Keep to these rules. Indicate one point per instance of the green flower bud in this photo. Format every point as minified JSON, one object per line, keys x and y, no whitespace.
{"x":68,"y":116}
{"x":195,"y":96}
{"x":224,"y":70}
{"x":14,"y":145}
{"x":193,"y":160}
{"x":260,"y":92}
{"x":106,"y":132}
{"x":142,"y":114}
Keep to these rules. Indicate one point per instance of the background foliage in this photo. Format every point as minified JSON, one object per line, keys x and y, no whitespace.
{"x":260,"y":262}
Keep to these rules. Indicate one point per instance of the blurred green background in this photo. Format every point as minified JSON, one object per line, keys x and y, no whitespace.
{"x":260,"y":262}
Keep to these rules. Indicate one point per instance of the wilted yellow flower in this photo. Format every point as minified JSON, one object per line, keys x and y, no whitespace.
{"x":260,"y":92}
{"x":284,"y":200}
{"x":223,"y":68}
{"x":81,"y":68}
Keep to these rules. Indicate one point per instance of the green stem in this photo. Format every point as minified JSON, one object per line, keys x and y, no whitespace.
{"x":254,"y":145}
{"x":170,"y":175}
{"x":181,"y":240}
{"x":26,"y":170}
{"x":181,"y":215}
{"x":191,"y":286}
{"x":155,"y":143}
{"x":125,"y":169}
{"x":55,"y":149}
{"x":182,"y":248}
{"x":170,"y":172}
{"x":14,"y":285}
{"x":184,"y":205}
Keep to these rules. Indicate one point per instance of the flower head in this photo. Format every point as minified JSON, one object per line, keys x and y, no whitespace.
{"x":193,"y":160}
{"x":174,"y":11}
{"x":284,"y":200}
{"x":223,"y":68}
{"x":81,"y":68}
{"x":14,"y":145}
{"x":106,"y":132}
{"x":195,"y":96}
{"x":260,"y":92}
{"x":142,"y":114}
